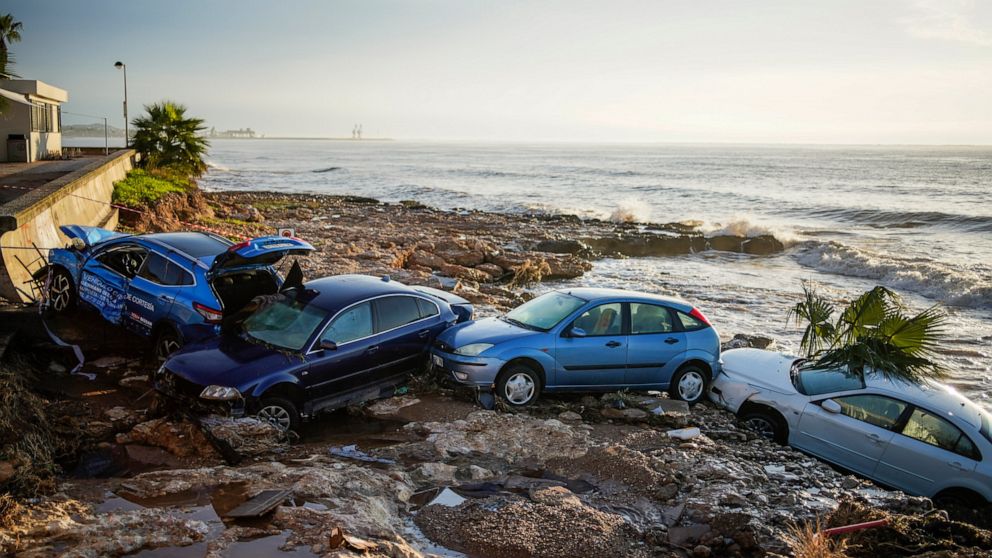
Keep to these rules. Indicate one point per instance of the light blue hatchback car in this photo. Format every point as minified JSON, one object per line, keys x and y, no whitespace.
{"x":584,"y":340}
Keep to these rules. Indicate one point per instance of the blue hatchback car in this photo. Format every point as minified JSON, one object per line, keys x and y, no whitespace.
{"x":584,"y":340}
{"x":332,"y":342}
{"x":171,"y":287}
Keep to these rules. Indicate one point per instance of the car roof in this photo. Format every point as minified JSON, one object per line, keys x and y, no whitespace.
{"x":593,"y":293}
{"x":197,"y":245}
{"x":935,"y":396}
{"x":341,"y":291}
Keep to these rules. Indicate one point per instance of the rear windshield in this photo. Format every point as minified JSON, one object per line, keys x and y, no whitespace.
{"x":286,"y":323}
{"x":817,"y":381}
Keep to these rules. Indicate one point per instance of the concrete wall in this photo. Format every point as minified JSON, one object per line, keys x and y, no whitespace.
{"x":78,"y":198}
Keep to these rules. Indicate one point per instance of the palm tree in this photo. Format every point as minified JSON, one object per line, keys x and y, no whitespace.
{"x":873,"y":332}
{"x":10,"y":32}
{"x":167,"y":139}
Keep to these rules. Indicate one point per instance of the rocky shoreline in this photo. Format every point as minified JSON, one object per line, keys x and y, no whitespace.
{"x":428,"y":472}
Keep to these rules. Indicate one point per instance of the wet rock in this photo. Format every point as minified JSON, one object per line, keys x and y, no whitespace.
{"x":570,"y":416}
{"x":183,"y":438}
{"x":561,"y":246}
{"x":512,"y":526}
{"x":479,"y":473}
{"x":133,"y":381}
{"x":7,"y":471}
{"x":436,"y":472}
{"x":246,"y":435}
{"x":389,"y":408}
{"x":701,"y":551}
{"x":743,"y":341}
{"x":683,"y":535}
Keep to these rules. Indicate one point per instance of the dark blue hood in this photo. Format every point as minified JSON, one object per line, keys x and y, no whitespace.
{"x":486,"y":330}
{"x":229,"y":360}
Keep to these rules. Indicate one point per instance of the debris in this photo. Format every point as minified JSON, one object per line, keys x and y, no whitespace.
{"x":352,"y":452}
{"x":244,"y":435}
{"x":261,"y":504}
{"x":684,"y":433}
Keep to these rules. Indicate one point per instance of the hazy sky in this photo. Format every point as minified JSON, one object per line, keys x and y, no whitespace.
{"x":858,"y":71}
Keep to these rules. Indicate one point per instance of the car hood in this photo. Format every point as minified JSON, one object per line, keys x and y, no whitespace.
{"x":760,"y":368}
{"x":228,"y":360}
{"x":486,"y":330}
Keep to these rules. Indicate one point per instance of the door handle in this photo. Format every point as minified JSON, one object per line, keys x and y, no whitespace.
{"x":166,"y":298}
{"x":372,"y":350}
{"x":874,"y":438}
{"x":613,"y":344}
{"x":423,"y":333}
{"x":671,"y":340}
{"x":956,"y":465}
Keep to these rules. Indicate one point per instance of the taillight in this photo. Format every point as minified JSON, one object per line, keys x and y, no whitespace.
{"x":208,"y":313}
{"x":699,"y":316}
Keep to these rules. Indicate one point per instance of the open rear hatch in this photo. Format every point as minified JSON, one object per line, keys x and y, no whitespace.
{"x":240,"y":273}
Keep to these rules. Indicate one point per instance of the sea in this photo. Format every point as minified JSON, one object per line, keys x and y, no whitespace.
{"x":916,"y":219}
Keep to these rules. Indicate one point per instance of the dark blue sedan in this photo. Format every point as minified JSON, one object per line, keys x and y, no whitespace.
{"x":333,"y":342}
{"x":171,"y":287}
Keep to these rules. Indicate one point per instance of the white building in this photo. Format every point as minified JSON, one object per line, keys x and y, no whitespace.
{"x":31,"y":124}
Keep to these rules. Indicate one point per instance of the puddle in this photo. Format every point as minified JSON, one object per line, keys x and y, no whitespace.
{"x":268,"y":546}
{"x":197,"y":550}
{"x":341,"y":428}
{"x":123,"y":461}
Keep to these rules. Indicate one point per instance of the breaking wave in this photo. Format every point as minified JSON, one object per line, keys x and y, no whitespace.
{"x":952,"y":285}
{"x":906,"y":219}
{"x":631,"y":210}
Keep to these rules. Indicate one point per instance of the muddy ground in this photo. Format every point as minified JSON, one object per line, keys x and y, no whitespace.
{"x":426,"y":472}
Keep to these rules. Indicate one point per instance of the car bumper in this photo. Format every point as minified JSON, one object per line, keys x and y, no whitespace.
{"x":187,"y":394}
{"x":477,"y":372}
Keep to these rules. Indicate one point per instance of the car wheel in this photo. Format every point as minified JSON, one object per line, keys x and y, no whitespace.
{"x":167,"y":342}
{"x":61,"y":291}
{"x":959,"y":499}
{"x":518,"y":385}
{"x":689,"y":384}
{"x":280,"y":413}
{"x":766,"y":425}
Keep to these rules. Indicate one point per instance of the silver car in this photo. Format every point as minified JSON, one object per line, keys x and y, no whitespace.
{"x":924,"y":439}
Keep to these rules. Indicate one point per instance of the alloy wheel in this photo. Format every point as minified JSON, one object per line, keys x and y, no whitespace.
{"x":761,"y":426}
{"x":691,"y":385}
{"x":519,"y":388}
{"x":276,"y":416}
{"x":167,"y":344}
{"x":59,"y":292}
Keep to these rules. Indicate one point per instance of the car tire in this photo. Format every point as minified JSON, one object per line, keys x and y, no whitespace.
{"x":959,"y":499}
{"x":61,"y":290}
{"x":766,"y":425}
{"x":167,"y":341}
{"x":519,"y":385}
{"x":279,"y":412}
{"x":689,"y":384}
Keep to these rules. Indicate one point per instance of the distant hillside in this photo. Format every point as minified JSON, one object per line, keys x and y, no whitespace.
{"x":90,"y":131}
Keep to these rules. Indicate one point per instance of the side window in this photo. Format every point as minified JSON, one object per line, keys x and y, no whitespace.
{"x":163,"y":271}
{"x":427,"y":308}
{"x":354,"y":323}
{"x":881,"y":411}
{"x":605,"y":319}
{"x":931,"y":429}
{"x":125,"y":260}
{"x":689,"y":323}
{"x":649,"y":318}
{"x":395,"y":311}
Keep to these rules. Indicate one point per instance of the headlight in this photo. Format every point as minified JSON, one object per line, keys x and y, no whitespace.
{"x":473,"y":349}
{"x":220,"y":393}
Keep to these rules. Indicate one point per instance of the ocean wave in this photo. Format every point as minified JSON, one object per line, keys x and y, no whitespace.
{"x":880,"y":218}
{"x":217,"y":167}
{"x":952,"y":285}
{"x":327,"y":169}
{"x":631,"y":210}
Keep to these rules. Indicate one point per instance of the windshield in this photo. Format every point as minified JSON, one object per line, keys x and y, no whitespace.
{"x":817,"y":381}
{"x":545,"y":311}
{"x":287,"y":323}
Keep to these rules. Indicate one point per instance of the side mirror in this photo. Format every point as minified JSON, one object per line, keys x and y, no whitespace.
{"x":329,"y":345}
{"x":831,"y":406}
{"x":576,"y":332}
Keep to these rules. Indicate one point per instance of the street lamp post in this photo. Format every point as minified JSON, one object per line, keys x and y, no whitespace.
{"x":122,"y":66}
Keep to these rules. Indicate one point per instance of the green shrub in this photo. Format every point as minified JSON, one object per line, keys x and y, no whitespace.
{"x":141,"y":188}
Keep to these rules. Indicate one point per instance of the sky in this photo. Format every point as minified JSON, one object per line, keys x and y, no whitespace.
{"x":838,"y":71}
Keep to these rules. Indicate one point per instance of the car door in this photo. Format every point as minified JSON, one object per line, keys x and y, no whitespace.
{"x":592,"y":350}
{"x":405,"y":335}
{"x":104,"y":278}
{"x":925,"y":453}
{"x":348,"y":366}
{"x":856,"y":436}
{"x":152,"y":292}
{"x":654,"y":346}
